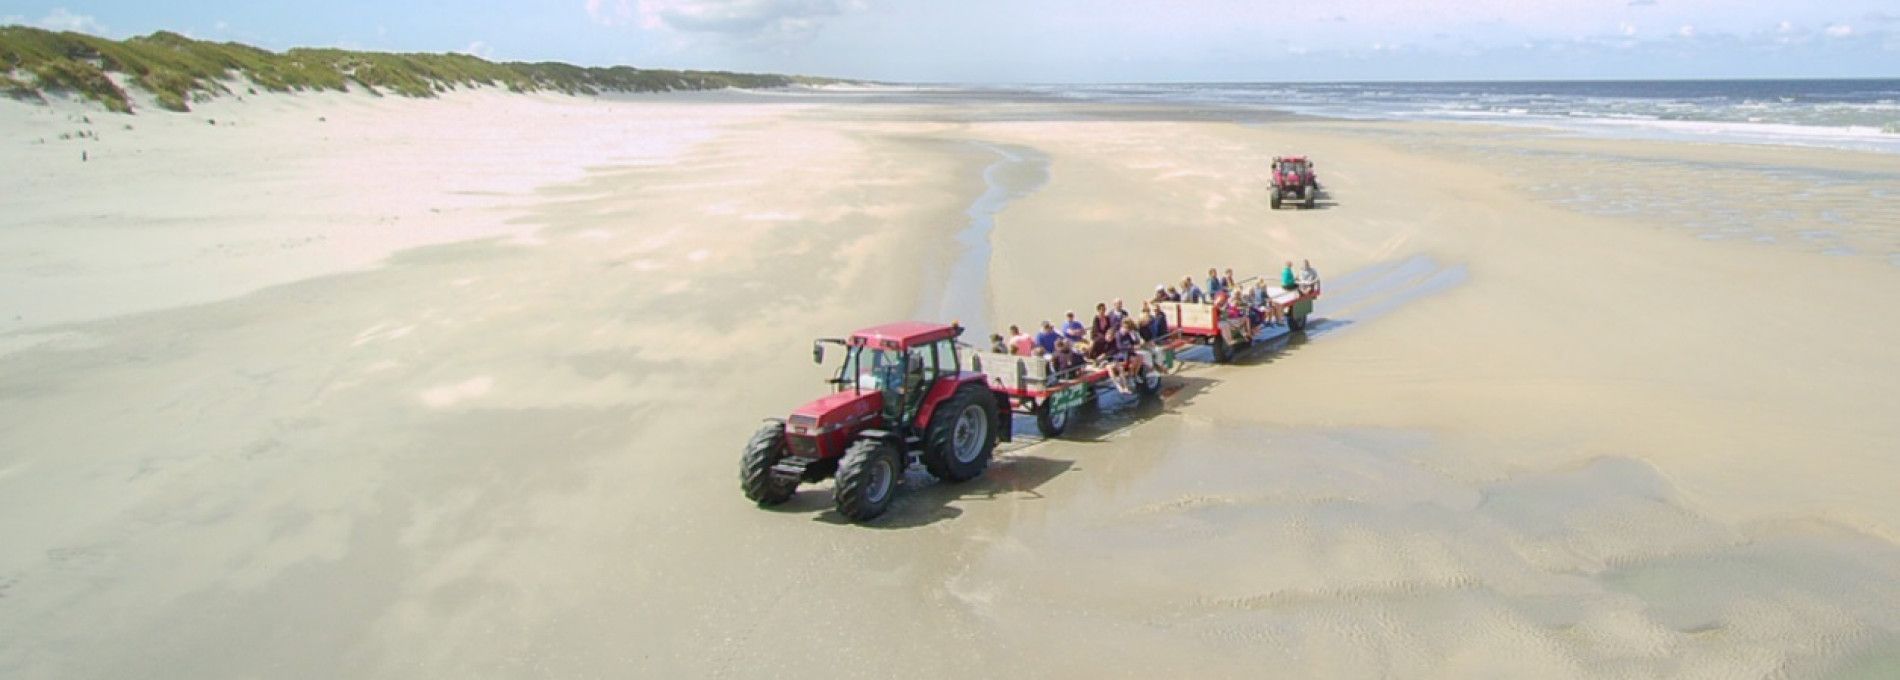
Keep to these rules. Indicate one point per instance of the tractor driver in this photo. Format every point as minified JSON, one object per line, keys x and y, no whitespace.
{"x":911,"y":391}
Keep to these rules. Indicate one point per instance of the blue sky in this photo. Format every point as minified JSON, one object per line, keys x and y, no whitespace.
{"x":1070,"y":40}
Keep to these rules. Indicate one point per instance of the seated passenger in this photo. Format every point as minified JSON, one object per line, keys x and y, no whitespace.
{"x":1158,"y":326}
{"x":1214,"y":283}
{"x":1099,"y":330}
{"x":1117,"y":314}
{"x":1074,"y":330}
{"x":1191,"y":292}
{"x":1066,"y":362}
{"x":997,"y":345}
{"x":1309,"y":277}
{"x":1227,"y":280}
{"x":1046,"y":340}
{"x":1287,"y":280}
{"x":1161,"y":293}
{"x":1019,"y":342}
{"x":1174,"y":295}
{"x":1124,"y":361}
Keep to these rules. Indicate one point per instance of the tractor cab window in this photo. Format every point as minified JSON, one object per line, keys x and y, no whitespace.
{"x":869,"y":368}
{"x":940,"y":359}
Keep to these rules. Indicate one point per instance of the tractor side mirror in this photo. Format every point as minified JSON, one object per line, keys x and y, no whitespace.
{"x":818,"y":353}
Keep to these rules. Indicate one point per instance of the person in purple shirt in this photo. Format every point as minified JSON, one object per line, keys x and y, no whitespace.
{"x":1047,"y":338}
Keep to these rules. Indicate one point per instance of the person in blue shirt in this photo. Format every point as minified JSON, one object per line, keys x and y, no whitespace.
{"x":1157,"y":322}
{"x":1287,"y":280}
{"x":1073,"y":329}
{"x":1047,"y":338}
{"x":1214,"y":285}
{"x":1191,"y":292}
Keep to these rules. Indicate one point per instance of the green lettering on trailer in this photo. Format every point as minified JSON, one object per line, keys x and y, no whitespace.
{"x":1069,"y":398}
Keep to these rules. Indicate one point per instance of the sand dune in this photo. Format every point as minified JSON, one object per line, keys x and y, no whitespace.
{"x":253,"y":424}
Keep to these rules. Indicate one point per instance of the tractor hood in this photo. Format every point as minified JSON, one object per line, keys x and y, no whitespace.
{"x":827,"y":414}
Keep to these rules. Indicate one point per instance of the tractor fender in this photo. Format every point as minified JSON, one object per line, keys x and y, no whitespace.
{"x":941,"y":391}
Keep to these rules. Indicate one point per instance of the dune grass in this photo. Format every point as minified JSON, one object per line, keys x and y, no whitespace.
{"x":178,"y":70}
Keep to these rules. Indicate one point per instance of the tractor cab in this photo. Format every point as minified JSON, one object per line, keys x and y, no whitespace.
{"x":896,"y":362}
{"x":1292,"y":178}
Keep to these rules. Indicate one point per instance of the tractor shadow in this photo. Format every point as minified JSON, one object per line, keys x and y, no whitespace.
{"x":1325,"y":201}
{"x":923,"y":500}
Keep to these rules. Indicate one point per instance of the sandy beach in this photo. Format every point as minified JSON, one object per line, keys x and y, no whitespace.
{"x":333,"y":386}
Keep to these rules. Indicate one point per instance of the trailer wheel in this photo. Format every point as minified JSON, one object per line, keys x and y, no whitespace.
{"x":961,"y":435}
{"x":867,"y":479}
{"x":1222,"y":352}
{"x":1150,"y":383}
{"x":1052,"y":423}
{"x":1295,"y":323}
{"x":763,"y":451}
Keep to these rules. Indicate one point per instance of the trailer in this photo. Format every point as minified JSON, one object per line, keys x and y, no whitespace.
{"x":1033,"y":388}
{"x":1208,"y":324}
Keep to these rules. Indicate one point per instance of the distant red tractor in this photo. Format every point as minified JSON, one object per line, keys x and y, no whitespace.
{"x":1294,"y":179}
{"x":900,"y":393}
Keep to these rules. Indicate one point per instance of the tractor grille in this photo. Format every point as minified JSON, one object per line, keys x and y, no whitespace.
{"x":806,"y":422}
{"x":804,"y":447}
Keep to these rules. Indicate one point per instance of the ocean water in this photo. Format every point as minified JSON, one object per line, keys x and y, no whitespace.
{"x":1851,"y":114}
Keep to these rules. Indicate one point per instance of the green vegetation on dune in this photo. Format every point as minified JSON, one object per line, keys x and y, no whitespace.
{"x":178,"y":70}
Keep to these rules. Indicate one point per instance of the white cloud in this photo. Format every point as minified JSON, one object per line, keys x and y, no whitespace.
{"x":1626,"y":28}
{"x":741,"y":16}
{"x":1840,"y":30}
{"x":767,"y":20}
{"x":606,"y":14}
{"x":62,"y":20}
{"x":1687,"y":31}
{"x":478,"y":49}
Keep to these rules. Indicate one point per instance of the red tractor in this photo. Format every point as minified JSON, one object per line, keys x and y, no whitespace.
{"x":899,"y":394}
{"x":1293,"y":179}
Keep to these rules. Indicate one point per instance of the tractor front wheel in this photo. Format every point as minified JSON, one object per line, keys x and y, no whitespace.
{"x":1276,"y":198}
{"x":867,"y":479}
{"x":765,"y":449}
{"x":961,"y":435}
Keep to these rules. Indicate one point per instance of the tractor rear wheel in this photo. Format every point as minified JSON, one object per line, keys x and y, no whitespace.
{"x":765,"y":449}
{"x":1051,"y":423}
{"x":961,"y":434}
{"x":867,"y":479}
{"x":1312,"y":195}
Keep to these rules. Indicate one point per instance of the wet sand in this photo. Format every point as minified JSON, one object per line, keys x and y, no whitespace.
{"x":1527,"y":437}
